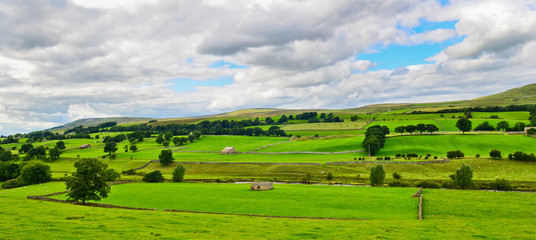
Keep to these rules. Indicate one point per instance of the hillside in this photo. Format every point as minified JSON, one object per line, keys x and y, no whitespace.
{"x":516,"y":96}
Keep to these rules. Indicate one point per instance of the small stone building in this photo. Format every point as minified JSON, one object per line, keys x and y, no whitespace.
{"x":85,"y":146}
{"x":228,"y":150}
{"x":262,"y":186}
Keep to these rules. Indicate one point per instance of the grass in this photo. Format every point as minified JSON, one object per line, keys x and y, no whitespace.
{"x":450,"y":124}
{"x":470,"y":145}
{"x":325,"y":133}
{"x":319,"y":145}
{"x":283,"y":200}
{"x":26,"y":219}
{"x":325,"y":126}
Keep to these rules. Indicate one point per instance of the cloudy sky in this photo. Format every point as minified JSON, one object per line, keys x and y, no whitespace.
{"x":65,"y":60}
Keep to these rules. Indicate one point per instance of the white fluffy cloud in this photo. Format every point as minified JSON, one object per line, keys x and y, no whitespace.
{"x":70,"y":59}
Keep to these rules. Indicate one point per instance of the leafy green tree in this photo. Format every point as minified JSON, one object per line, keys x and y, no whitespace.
{"x":411,"y":129}
{"x":372,"y":145}
{"x":110,"y":147}
{"x":168,"y":136}
{"x":25,"y":148}
{"x":160,"y":139}
{"x":464,"y":177}
{"x":495,"y":154}
{"x":60,"y":145}
{"x":110,"y":175}
{"x":176,"y":141}
{"x":166,"y":157}
{"x":54,"y":153}
{"x":503,"y":125}
{"x":464,"y":125}
{"x":400,"y":129}
{"x":421,"y":127}
{"x":501,"y":185}
{"x":377,"y":175}
{"x":178,"y":173}
{"x":353,"y":118}
{"x":9,"y":171}
{"x":88,"y":182}
{"x":165,"y":144}
{"x":34,"y":173}
{"x":455,"y":154}
{"x":155,"y":176}
{"x":191,"y":138}
{"x":5,"y":155}
{"x":133,"y":148}
{"x":38,"y":152}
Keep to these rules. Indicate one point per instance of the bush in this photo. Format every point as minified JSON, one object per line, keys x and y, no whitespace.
{"x":329,"y":177}
{"x":129,"y":172}
{"x":455,"y":154}
{"x":34,"y":173}
{"x":398,"y":183}
{"x":166,"y":157}
{"x":451,"y":184}
{"x":178,"y":173}
{"x":501,"y":185}
{"x":397,"y":176}
{"x":110,"y":175}
{"x":155,"y":176}
{"x":427,"y":184}
{"x":377,"y":175}
{"x":496,"y":154}
{"x":9,"y":171}
{"x":13,"y":183}
{"x":464,"y":177}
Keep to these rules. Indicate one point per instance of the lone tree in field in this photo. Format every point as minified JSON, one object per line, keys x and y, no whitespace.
{"x":60,"y":145}
{"x":464,"y":177}
{"x":503,"y":125}
{"x":464,"y":125}
{"x":54,"y":153}
{"x":495,"y":154}
{"x":377,"y":175}
{"x":178,"y":173}
{"x":87,"y":183}
{"x":110,"y":147}
{"x":166,"y":157}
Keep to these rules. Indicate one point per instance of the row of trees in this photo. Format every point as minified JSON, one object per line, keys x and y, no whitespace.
{"x":431,"y":128}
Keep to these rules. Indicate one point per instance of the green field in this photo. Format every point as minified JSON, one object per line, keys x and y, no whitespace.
{"x":470,"y":145}
{"x":319,"y":145}
{"x":450,"y":124}
{"x":325,"y":126}
{"x":283,"y":200}
{"x":393,"y":124}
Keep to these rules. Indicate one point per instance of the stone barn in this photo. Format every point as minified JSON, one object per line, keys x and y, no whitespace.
{"x":228,"y":150}
{"x":262,"y":186}
{"x":85,"y":146}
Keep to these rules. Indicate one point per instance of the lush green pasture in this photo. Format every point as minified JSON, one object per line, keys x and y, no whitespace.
{"x":283,"y":200}
{"x":393,"y":124}
{"x":319,"y":145}
{"x":503,"y":115}
{"x":326,"y":126}
{"x":450,"y":124}
{"x":470,"y":145}
{"x":324,"y":133}
{"x":240,"y":143}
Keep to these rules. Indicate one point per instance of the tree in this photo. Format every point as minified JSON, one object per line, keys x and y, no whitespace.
{"x":495,"y":154}
{"x":353,"y":118}
{"x":400,"y":129}
{"x":464,"y":176}
{"x":25,"y":148}
{"x":411,"y":129}
{"x":421,"y":127}
{"x":431,"y":128}
{"x":166,"y":157}
{"x":502,"y":125}
{"x":54,"y":153}
{"x":88,"y":182}
{"x":377,"y":175}
{"x":372,"y":145}
{"x":501,"y":185}
{"x":60,"y":145}
{"x":191,"y":137}
{"x":155,"y":176}
{"x":110,"y":147}
{"x":34,"y":173}
{"x":110,"y":175}
{"x":455,"y":154}
{"x":168,"y":136}
{"x":178,"y":173}
{"x":485,"y":126}
{"x":160,"y":139}
{"x":133,"y":148}
{"x":177,"y":141}
{"x":464,"y":125}
{"x":5,"y":155}
{"x":39,"y":152}
{"x":165,"y":144}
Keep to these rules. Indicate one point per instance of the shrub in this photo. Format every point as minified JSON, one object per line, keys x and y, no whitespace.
{"x":178,"y":173}
{"x":13,"y":183}
{"x":477,"y":155}
{"x":496,"y":154}
{"x":398,"y":183}
{"x":464,"y":177}
{"x":166,"y":157}
{"x":34,"y":173}
{"x":427,"y":184}
{"x":451,"y":184}
{"x":377,"y":175}
{"x":455,"y":154}
{"x":329,"y":177}
{"x":397,"y":176}
{"x":501,"y":185}
{"x":9,"y":171}
{"x":110,"y":175}
{"x":155,"y":176}
{"x":129,"y":172}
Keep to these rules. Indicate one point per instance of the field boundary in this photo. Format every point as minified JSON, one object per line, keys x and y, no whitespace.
{"x":446,"y":160}
{"x":253,"y":163}
{"x":304,"y":152}
{"x":269,"y":145}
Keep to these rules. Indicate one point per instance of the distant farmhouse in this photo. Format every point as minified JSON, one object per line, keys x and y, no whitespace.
{"x":85,"y":146}
{"x":228,"y":151}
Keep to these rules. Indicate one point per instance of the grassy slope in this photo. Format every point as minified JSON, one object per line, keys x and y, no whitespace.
{"x":57,"y":220}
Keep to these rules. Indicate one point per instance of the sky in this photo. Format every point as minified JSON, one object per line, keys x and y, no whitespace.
{"x":63,"y":60}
